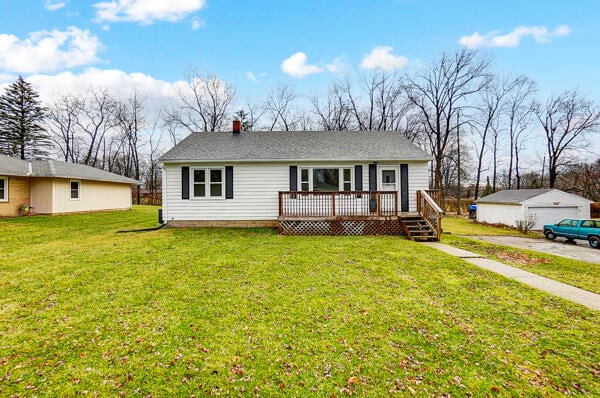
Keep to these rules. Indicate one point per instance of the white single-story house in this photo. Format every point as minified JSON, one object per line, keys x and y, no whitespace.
{"x":544,"y":206}
{"x":256,"y":178}
{"x":55,"y":187}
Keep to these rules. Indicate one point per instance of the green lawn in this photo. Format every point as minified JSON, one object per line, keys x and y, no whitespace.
{"x":573,"y":272}
{"x":84,"y":310}
{"x":463,"y":226}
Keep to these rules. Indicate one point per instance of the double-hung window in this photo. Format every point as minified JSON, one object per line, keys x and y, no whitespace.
{"x":3,"y":189}
{"x":74,"y":190}
{"x":207,"y":183}
{"x":325,"y":179}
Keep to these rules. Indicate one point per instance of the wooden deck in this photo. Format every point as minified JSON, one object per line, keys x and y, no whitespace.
{"x":354,"y":213}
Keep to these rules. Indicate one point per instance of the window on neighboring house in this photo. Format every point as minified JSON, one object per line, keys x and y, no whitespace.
{"x":325,"y":179}
{"x":3,"y":189}
{"x":75,"y":190}
{"x":207,"y":183}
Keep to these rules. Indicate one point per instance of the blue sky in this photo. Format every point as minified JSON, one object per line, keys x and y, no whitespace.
{"x":256,"y":45}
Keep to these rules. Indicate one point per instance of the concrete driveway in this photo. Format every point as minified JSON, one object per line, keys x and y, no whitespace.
{"x":560,"y":247}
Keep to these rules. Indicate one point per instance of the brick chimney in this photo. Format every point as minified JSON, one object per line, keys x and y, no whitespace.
{"x":237,"y":126}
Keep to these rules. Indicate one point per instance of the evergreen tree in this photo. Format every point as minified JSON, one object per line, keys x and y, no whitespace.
{"x":21,"y":122}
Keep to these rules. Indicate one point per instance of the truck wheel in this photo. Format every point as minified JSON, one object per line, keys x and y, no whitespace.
{"x":549,"y":234}
{"x":594,"y":242}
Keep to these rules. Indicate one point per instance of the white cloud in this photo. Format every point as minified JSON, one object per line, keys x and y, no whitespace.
{"x":53,"y":6}
{"x":156,"y":93}
{"x":250,"y":76}
{"x":381,"y":58}
{"x":296,"y":66}
{"x":197,"y":23}
{"x":146,"y":11}
{"x":48,"y":51}
{"x":116,"y":81}
{"x":337,"y":66}
{"x":561,"y":30}
{"x":540,"y":34}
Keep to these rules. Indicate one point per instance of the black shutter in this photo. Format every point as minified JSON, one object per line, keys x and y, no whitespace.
{"x":372,"y":177}
{"x":185,"y":182}
{"x":228,"y":182}
{"x":403,"y":187}
{"x":373,"y":187}
{"x":358,"y":178}
{"x":293,"y":178}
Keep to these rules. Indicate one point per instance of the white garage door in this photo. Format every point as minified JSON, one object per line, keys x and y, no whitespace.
{"x":551,"y":215}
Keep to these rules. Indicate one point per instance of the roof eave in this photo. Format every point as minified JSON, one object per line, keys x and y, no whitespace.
{"x":166,"y":161}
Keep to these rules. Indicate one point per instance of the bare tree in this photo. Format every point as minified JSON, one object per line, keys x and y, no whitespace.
{"x":249,"y":116}
{"x":152,"y":175}
{"x":280,"y":108}
{"x":518,"y":113}
{"x":568,"y":120}
{"x":439,"y":93}
{"x":334,"y":111}
{"x":581,"y":178}
{"x":204,"y":104}
{"x":129,"y":120}
{"x":96,"y":119}
{"x":379,"y":103}
{"x":487,"y":124}
{"x":63,"y":114}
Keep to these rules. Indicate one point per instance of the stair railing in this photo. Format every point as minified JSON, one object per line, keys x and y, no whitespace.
{"x":430,"y":211}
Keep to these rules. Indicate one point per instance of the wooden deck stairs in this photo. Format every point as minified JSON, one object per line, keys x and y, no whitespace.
{"x":418,"y":229}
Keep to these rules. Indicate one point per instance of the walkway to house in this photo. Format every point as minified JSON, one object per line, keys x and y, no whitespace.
{"x":580,"y":296}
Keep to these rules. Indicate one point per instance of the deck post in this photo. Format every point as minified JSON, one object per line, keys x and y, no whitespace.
{"x":280,"y":204}
{"x":333,"y":204}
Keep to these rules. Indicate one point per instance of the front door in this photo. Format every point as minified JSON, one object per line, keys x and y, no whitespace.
{"x":389,"y":182}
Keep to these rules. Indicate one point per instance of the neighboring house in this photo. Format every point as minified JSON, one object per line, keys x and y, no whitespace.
{"x":54,"y":187}
{"x":255,"y":178}
{"x":543,"y":206}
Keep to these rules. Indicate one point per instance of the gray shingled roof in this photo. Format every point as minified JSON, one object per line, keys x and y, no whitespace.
{"x":512,"y":196}
{"x":13,"y":167}
{"x":296,"y":145}
{"x":55,"y":168}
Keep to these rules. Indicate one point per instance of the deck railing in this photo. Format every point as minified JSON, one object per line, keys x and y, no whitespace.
{"x":436,"y":195}
{"x":338,"y":204}
{"x":430,"y":210}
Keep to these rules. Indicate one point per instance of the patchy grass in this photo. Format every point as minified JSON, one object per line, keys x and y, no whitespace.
{"x":458,"y":225}
{"x":84,"y":310}
{"x":573,"y":272}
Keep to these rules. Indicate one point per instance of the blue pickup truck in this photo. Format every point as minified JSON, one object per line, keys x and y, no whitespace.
{"x":575,"y":229}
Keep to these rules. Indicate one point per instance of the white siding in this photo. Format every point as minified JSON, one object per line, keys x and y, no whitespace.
{"x":255,"y":194}
{"x":41,"y":195}
{"x":53,"y":196}
{"x":418,"y":179}
{"x":255,"y":190}
{"x":499,"y":213}
{"x":547,"y":208}
{"x":558,"y":199}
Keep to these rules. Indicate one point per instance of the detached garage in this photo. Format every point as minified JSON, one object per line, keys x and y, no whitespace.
{"x":545,"y":206}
